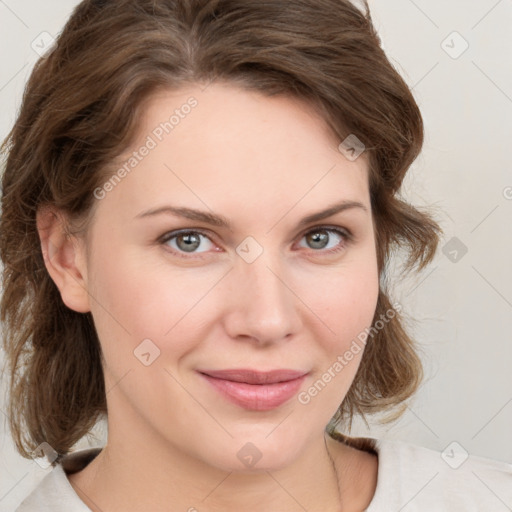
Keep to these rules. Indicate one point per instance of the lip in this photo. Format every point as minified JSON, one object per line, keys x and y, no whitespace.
{"x":255,"y":390}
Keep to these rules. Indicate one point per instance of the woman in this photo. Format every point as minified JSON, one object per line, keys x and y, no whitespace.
{"x":199,"y":202}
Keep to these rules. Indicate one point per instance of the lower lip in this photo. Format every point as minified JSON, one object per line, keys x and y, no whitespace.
{"x":257,"y":397}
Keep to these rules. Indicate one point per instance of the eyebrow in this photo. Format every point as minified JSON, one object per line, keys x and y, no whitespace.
{"x":221,"y":221}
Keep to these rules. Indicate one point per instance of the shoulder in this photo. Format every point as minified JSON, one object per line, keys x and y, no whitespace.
{"x":54,"y":492}
{"x":416,"y":478}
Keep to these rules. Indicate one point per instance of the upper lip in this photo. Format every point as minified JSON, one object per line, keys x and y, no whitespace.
{"x":255,"y":376}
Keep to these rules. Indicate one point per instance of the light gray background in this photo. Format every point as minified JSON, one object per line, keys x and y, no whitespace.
{"x":462,"y":309}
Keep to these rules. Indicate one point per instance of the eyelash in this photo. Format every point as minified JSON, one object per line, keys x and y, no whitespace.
{"x":344,"y":233}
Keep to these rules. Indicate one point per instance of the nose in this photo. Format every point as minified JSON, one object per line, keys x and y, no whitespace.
{"x":262,"y":304}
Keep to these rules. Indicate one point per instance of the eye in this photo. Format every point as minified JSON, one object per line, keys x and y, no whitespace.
{"x":322,"y":240}
{"x":186,"y":241}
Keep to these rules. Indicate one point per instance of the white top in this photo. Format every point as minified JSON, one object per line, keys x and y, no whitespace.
{"x":411,"y":478}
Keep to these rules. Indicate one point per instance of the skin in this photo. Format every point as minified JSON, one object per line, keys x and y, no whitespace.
{"x":264,"y":164}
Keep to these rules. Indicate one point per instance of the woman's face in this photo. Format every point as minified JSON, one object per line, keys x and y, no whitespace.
{"x":265,"y":291}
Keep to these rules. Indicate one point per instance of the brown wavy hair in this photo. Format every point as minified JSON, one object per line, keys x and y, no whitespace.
{"x":80,"y":110}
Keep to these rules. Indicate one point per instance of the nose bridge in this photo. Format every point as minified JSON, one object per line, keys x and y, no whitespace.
{"x":265,"y":306}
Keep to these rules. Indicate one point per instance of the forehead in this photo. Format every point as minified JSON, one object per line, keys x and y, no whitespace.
{"x":227,"y":144}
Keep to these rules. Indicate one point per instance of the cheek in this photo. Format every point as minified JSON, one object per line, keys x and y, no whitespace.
{"x":343,"y":298}
{"x":347,"y":306}
{"x":135,"y":302}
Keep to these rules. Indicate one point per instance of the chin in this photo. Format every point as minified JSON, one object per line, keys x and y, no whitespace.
{"x":254,"y":452}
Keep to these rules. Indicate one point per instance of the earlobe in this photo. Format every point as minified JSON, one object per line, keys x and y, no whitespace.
{"x":64,"y":258}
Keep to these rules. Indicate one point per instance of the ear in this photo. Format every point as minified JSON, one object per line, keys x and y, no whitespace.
{"x":64,"y":258}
